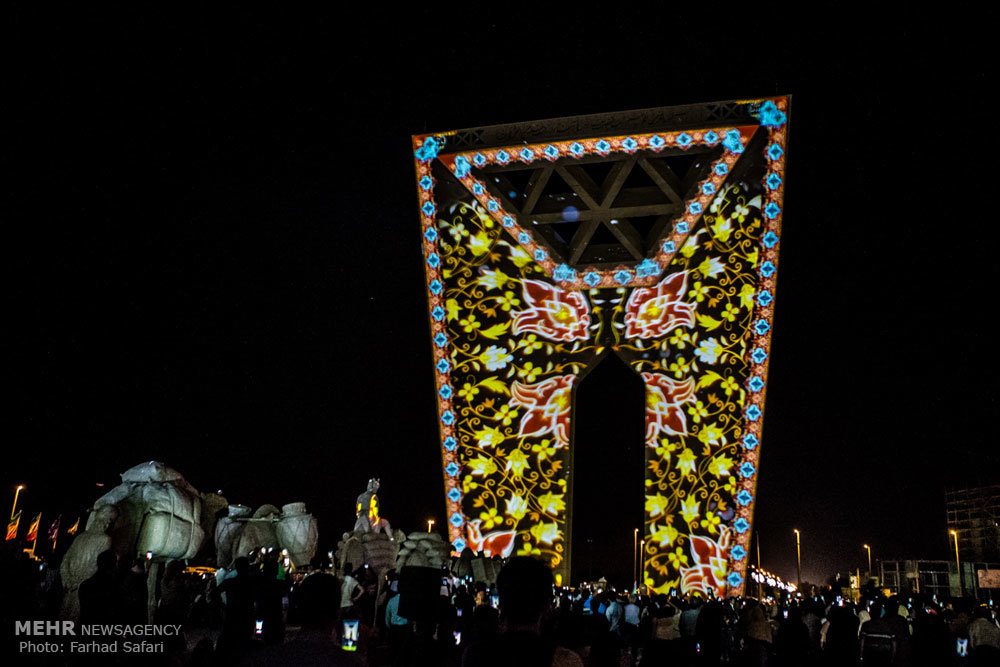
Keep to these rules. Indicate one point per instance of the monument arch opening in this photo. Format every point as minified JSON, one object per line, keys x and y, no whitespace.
{"x":607,"y":469}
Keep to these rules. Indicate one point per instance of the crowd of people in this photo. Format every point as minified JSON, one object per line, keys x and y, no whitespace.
{"x":258,"y":613}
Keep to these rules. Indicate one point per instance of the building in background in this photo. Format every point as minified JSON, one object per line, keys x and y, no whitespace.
{"x":974,"y":515}
{"x":980,"y":580}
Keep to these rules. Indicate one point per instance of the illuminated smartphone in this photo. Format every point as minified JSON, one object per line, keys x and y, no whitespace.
{"x":458,"y":637}
{"x":785,"y":613}
{"x":962,"y":647}
{"x":349,"y":635}
{"x":459,"y":612}
{"x":258,"y":628}
{"x":494,"y":601}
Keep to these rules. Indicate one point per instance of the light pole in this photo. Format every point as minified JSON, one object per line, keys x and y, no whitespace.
{"x":642,"y":559}
{"x":798,"y":558}
{"x":17,"y":492}
{"x":635,"y":560}
{"x":760,"y":582}
{"x":430,"y":524}
{"x":869,"y":561}
{"x":958,"y":565}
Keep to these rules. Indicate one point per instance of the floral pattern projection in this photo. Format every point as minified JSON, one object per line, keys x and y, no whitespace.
{"x":513,"y":331}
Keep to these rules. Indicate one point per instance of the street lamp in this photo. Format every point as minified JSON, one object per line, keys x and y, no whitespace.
{"x":798,"y":558}
{"x":430,"y":524}
{"x":17,"y":492}
{"x":958,"y":565}
{"x":869,"y":561}
{"x":635,"y":560}
{"x":642,"y":559}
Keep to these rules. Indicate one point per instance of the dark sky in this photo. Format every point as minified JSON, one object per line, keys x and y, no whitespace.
{"x":214,"y":260}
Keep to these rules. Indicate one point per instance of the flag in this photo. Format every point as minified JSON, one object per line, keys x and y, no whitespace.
{"x":72,"y":529}
{"x":12,"y":527}
{"x":33,"y":528}
{"x":54,"y":528}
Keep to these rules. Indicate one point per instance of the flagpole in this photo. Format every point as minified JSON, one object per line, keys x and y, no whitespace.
{"x":17,"y":492}
{"x":38,"y":527}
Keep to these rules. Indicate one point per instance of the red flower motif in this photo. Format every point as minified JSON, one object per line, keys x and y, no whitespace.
{"x":547,"y":407}
{"x":664,"y":398}
{"x":652,"y":312}
{"x":498,"y":543}
{"x":553,"y":313}
{"x":708,"y":574}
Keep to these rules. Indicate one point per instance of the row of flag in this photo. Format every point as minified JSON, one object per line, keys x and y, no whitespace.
{"x":15,"y":522}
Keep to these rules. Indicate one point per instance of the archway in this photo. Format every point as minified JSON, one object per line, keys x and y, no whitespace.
{"x":607,"y":472}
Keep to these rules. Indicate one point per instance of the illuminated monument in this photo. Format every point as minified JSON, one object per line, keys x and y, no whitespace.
{"x":649,"y":234}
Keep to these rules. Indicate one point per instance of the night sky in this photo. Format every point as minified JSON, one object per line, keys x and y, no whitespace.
{"x":213,"y":253}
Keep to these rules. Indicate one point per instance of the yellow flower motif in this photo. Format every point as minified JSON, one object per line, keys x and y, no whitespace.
{"x":482,"y":466}
{"x":711,"y":267}
{"x":519,"y":257}
{"x":517,"y":463}
{"x":720,"y":465}
{"x":469,"y":324}
{"x":665,"y":449}
{"x":740,"y":212}
{"x":488,"y":437}
{"x":686,"y":460}
{"x":678,"y":558}
{"x":747,"y":293}
{"x":722,"y":228}
{"x":490,"y":518}
{"x":689,"y":246}
{"x":680,"y":338}
{"x":656,"y":505}
{"x":468,"y":391}
{"x":530,"y":344}
{"x":507,"y":301}
{"x":729,"y":385}
{"x":689,"y":509}
{"x":544,"y":449}
{"x":698,"y":291}
{"x":529,"y":372}
{"x":680,"y":367}
{"x":468,"y":484}
{"x":552,"y":503}
{"x":730,"y":312}
{"x":457,"y":231}
{"x":697,"y":411}
{"x":528,"y":550}
{"x":505,"y":414}
{"x":711,"y":523}
{"x":495,"y":358}
{"x":484,"y":218}
{"x":664,"y":536}
{"x":493,"y":279}
{"x":546,"y":533}
{"x":752,"y":257}
{"x":453,"y":309}
{"x":730,"y":485}
{"x":480,"y":243}
{"x":710,"y":434}
{"x":517,"y":507}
